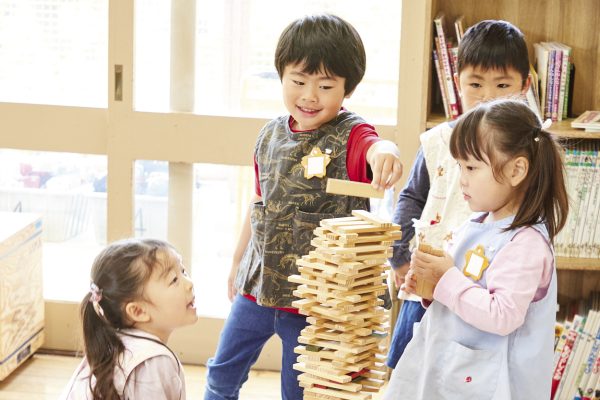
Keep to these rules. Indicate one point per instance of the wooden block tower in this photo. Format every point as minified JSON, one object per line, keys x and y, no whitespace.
{"x":342,"y":354}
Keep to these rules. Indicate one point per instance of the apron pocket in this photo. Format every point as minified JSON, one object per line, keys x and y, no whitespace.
{"x":470,"y":374}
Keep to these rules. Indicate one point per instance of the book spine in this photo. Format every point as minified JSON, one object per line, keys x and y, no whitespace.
{"x":542,"y":69}
{"x":556,"y":83}
{"x":438,"y":72}
{"x":565,"y":113}
{"x":443,"y":55}
{"x":453,"y":51}
{"x":549,"y":84}
{"x":562,"y":362}
{"x":564,"y":73}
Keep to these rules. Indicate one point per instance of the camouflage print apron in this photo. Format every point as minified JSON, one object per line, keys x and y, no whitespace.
{"x":292,"y":206}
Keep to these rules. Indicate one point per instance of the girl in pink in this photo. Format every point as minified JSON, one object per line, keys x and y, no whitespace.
{"x":139,"y":294}
{"x":489,"y":331}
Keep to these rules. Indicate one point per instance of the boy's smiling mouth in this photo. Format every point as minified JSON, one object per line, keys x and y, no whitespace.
{"x":307,"y":110}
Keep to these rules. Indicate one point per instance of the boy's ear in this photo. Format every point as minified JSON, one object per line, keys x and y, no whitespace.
{"x":518,"y":169}
{"x":349,"y":95}
{"x":527,"y":84}
{"x":137,"y":312}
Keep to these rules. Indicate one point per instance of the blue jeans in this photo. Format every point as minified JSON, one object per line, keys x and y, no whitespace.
{"x":411,"y":312}
{"x":246,"y":331}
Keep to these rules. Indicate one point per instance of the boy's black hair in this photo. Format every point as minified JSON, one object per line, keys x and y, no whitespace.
{"x":494,"y":44}
{"x":324,"y":43}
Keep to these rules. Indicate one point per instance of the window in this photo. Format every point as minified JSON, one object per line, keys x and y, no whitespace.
{"x":235,"y":45}
{"x":58,"y":52}
{"x":67,"y":190}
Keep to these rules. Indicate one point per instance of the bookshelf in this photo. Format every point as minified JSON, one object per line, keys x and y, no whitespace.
{"x":560,"y":128}
{"x":571,"y":22}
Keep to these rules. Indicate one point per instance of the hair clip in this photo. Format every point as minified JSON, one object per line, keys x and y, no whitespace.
{"x":95,"y":298}
{"x":537,"y":138}
{"x":547,"y":124}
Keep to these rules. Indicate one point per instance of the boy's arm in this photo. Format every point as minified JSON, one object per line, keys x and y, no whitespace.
{"x":411,"y":203}
{"x":240,"y":249}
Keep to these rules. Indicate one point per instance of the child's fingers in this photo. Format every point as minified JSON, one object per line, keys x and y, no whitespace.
{"x":396,"y":174}
{"x":376,"y":170}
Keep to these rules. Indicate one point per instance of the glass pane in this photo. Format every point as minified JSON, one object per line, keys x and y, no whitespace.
{"x":235,"y":47}
{"x":152,"y":62}
{"x":68,"y":191}
{"x":236,"y":43}
{"x":221,"y":199}
{"x":54,"y":52}
{"x":151,"y":199}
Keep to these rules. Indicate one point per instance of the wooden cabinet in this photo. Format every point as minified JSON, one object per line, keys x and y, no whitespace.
{"x":21,"y":295}
{"x":573,"y":22}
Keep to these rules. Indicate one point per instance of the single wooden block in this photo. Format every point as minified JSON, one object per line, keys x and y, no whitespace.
{"x":425,"y":288}
{"x":21,"y":294}
{"x":372,"y":218}
{"x":350,"y":188}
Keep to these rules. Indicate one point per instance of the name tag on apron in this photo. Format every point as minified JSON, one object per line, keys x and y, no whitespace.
{"x":315,"y":163}
{"x":475,"y":263}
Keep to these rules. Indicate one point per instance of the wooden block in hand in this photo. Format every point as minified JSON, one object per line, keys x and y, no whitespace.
{"x":424,"y":287}
{"x":351,"y":188}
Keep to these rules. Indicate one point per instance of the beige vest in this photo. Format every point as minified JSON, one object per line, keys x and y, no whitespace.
{"x":445,"y":203}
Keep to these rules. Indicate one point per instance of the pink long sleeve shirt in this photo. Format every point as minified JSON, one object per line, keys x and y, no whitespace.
{"x":514,"y":280}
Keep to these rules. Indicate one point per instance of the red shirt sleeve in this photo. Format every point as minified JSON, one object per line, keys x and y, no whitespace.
{"x":256,"y":181}
{"x":362,"y":137}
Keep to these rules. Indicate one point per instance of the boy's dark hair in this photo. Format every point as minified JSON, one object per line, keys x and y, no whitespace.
{"x":324,"y":43}
{"x":505,"y":129}
{"x":120,"y":272}
{"x":494,"y":44}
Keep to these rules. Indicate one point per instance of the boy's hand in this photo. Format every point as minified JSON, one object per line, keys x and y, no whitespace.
{"x":400,"y":274}
{"x":231,"y":289}
{"x":430,"y":267}
{"x":384,"y":159}
{"x":410,"y":284}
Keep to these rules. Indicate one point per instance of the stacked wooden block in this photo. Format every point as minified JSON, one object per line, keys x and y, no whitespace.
{"x":342,"y":356}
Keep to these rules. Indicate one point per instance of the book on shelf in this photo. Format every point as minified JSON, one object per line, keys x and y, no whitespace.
{"x":589,"y":119}
{"x":577,"y":354}
{"x":580,"y":237}
{"x":444,"y":57}
{"x":554,"y":70}
{"x":459,"y":28}
{"x":441,"y":81}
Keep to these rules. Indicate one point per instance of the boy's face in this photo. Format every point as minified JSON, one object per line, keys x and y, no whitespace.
{"x":477,"y":85}
{"x":311,"y":99}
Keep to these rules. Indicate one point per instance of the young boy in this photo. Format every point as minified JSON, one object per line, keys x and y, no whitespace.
{"x":492,"y":63}
{"x":320,"y":60}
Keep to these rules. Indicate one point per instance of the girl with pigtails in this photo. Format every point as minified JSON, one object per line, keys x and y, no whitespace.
{"x":139,"y":294}
{"x":489,"y":331}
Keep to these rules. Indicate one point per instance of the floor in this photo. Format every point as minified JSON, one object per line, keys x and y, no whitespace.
{"x":43,"y":377}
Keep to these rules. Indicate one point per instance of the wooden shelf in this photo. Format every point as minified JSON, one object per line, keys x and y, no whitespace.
{"x":578,"y":264}
{"x":561,"y":128}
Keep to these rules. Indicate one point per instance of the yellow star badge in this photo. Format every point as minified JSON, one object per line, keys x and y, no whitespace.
{"x":475,"y":263}
{"x":315,"y":163}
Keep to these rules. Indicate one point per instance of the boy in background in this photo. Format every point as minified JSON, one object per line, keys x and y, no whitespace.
{"x":493,"y":63}
{"x":320,"y":60}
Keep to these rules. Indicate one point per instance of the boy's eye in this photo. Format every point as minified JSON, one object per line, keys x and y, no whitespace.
{"x":184,"y":272}
{"x":174,"y":280}
{"x":503,"y":85}
{"x":475,"y":85}
{"x":326,"y":87}
{"x":298,"y":82}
